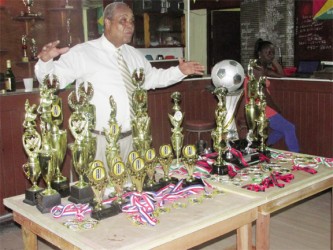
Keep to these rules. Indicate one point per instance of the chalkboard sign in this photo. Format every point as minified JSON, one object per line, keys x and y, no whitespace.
{"x":313,"y":31}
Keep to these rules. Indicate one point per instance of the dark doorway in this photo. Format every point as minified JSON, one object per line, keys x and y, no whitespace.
{"x":224,"y":42}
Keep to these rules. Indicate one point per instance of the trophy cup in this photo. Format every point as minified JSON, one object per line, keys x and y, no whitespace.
{"x":98,"y":180}
{"x":49,"y":197}
{"x":28,"y":13}
{"x":141,"y":122}
{"x":31,"y":140}
{"x":190,"y":158}
{"x":24,"y":48}
{"x":165,"y":159}
{"x":118,"y":176}
{"x":176,"y":121}
{"x":138,"y":173}
{"x":81,"y":150}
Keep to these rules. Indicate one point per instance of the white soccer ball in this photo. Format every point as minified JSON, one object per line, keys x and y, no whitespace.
{"x":228,"y":74}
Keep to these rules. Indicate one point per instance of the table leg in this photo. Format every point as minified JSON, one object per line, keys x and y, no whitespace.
{"x":244,"y":237}
{"x":262,"y":231}
{"x":29,"y":239}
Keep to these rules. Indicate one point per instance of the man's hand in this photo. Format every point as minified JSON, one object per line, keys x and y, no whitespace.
{"x":50,"y":51}
{"x":191,"y":68}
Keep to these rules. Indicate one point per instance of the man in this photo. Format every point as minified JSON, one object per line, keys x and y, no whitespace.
{"x":96,"y":62}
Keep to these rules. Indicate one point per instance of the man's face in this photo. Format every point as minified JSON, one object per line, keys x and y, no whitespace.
{"x":120,"y":29}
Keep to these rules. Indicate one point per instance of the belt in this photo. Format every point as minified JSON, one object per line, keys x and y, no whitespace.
{"x":122,"y":135}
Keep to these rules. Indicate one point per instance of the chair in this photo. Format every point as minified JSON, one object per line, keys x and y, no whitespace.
{"x":198,"y":126}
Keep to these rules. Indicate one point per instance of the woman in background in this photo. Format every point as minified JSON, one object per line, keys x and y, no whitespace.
{"x":268,"y":65}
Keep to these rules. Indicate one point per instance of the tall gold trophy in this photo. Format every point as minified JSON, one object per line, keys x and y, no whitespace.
{"x":176,"y":120}
{"x":141,"y":123}
{"x":255,"y":109}
{"x":81,"y":191}
{"x":31,"y":140}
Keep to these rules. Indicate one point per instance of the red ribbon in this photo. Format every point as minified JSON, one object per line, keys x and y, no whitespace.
{"x":264,"y":158}
{"x":239,"y":155}
{"x":306,"y":169}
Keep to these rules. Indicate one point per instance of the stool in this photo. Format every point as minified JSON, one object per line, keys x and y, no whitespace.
{"x":198,"y":126}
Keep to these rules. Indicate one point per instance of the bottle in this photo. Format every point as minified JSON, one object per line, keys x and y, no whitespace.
{"x":9,"y":78}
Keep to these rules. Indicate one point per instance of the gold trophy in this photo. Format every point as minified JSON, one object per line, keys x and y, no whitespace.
{"x":165,"y":159}
{"x":25,"y":58}
{"x":138,"y":173}
{"x":150,"y":163}
{"x":98,"y":180}
{"x":141,"y":122}
{"x":118,"y":176}
{"x":49,"y":197}
{"x":220,"y":133}
{"x":31,"y":140}
{"x":190,"y":158}
{"x":130,"y":159}
{"x":28,"y":13}
{"x":255,"y":109}
{"x":80,"y":192}
{"x":176,"y":120}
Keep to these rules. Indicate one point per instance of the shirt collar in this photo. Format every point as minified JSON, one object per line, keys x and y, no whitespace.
{"x":108,"y":45}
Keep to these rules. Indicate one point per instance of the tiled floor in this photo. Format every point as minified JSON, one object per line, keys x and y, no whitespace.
{"x":304,"y":226}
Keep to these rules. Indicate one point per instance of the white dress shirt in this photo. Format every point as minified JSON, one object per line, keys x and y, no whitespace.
{"x":95,"y":61}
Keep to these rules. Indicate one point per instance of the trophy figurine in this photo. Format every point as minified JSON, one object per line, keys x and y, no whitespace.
{"x":190,"y":158}
{"x":150,"y":163}
{"x":118,"y":176}
{"x":98,"y":180}
{"x":130,"y":159}
{"x":49,"y":197}
{"x":31,"y":140}
{"x":33,"y":49}
{"x":24,"y":48}
{"x":141,"y":122}
{"x":165,"y":159}
{"x":176,"y":120}
{"x":220,"y":133}
{"x":138,"y":173}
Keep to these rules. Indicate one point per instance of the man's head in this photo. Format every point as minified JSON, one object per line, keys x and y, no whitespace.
{"x":118,"y":23}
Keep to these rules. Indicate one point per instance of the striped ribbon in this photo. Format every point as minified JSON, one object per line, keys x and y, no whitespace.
{"x":78,"y":210}
{"x":127,"y":79}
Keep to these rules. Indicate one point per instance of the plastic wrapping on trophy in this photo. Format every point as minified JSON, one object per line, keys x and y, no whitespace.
{"x":138,"y":174}
{"x":165,"y":159}
{"x":176,"y":120}
{"x":190,"y":158}
{"x":150,"y":162}
{"x":98,"y":181}
{"x":49,"y":197}
{"x":118,"y":177}
{"x":31,"y":141}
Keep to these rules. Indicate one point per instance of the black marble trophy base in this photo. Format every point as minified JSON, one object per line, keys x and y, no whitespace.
{"x":31,"y":196}
{"x":106,"y":212}
{"x":81,"y":195}
{"x":220,"y":169}
{"x":46,"y":202}
{"x":191,"y":182}
{"x":62,"y":187}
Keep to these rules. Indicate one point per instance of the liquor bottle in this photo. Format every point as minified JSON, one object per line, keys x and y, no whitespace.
{"x":10,"y":78}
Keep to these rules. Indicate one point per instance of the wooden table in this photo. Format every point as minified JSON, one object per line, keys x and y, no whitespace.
{"x":179,"y":229}
{"x":302,"y":186}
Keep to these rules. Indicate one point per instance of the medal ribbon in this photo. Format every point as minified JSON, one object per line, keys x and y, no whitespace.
{"x":306,"y":169}
{"x":239,"y":155}
{"x":79,"y":210}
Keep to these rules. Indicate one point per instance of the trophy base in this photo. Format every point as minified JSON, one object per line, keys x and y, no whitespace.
{"x":62,"y":187}
{"x":220,"y":169}
{"x":46,"y":202}
{"x":31,"y":196}
{"x":106,"y":212}
{"x":167,"y":181}
{"x":194,"y":181}
{"x":81,"y":195}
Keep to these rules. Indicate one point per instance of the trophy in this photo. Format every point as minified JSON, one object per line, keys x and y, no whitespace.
{"x":138,"y":173}
{"x":118,"y":176}
{"x":130,"y":159}
{"x":82,"y":150}
{"x":176,"y":121}
{"x":24,"y":48}
{"x":98,"y":180}
{"x":255,"y":110}
{"x":220,"y":133}
{"x":33,"y":49}
{"x":165,"y":159}
{"x":49,"y":197}
{"x":28,"y":13}
{"x":141,"y":121}
{"x":190,"y":158}
{"x":150,"y":163}
{"x":31,"y":140}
